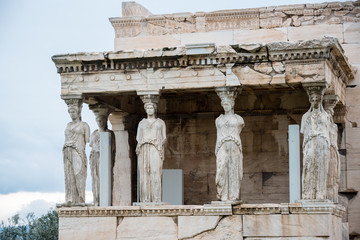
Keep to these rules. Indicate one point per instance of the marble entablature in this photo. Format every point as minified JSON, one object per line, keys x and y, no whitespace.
{"x":239,"y":65}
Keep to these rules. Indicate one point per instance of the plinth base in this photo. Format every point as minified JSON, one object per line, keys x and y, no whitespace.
{"x":217,"y":220}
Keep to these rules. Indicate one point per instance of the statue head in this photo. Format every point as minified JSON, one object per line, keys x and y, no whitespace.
{"x":330,"y":102}
{"x":315,"y":91}
{"x":150,"y":108}
{"x":315,"y":100}
{"x":101,"y":121}
{"x":101,"y":112}
{"x":227,"y":104}
{"x":150,"y":103}
{"x":227,"y":96}
{"x":74,"y":113}
{"x":74,"y":108}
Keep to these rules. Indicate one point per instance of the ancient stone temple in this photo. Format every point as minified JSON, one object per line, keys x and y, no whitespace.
{"x":247,"y":117}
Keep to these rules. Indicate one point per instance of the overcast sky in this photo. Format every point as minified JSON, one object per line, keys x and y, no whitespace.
{"x":33,"y":117}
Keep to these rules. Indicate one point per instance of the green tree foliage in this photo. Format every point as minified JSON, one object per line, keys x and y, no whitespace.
{"x":42,"y":228}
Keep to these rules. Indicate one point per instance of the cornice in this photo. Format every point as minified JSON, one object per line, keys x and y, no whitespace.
{"x":312,"y":50}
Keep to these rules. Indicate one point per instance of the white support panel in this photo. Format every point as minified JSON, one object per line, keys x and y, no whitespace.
{"x":173,"y":186}
{"x":294,"y":164}
{"x":105,"y":169}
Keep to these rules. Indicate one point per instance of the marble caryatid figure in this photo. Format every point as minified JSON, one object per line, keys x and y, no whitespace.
{"x":228,"y":150}
{"x":315,"y":126}
{"x":77,"y":134}
{"x":151,"y":137}
{"x":333,"y":177}
{"x":101,"y":113}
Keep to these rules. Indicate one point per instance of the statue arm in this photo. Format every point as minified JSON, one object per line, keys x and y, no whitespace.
{"x":139,"y":133}
{"x":92,"y":139}
{"x":87,"y":132}
{"x":303,"y":122}
{"x":163,"y":133}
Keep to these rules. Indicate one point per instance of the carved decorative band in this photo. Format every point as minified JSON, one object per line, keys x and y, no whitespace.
{"x":205,"y":210}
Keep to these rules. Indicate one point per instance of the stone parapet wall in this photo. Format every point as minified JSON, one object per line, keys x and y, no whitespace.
{"x":258,"y":25}
{"x":245,"y":221}
{"x":254,"y":18}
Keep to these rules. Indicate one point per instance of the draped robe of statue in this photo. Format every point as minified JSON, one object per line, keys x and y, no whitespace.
{"x":94,"y":165}
{"x":75,"y":162}
{"x":334,"y":165}
{"x":151,"y":136}
{"x":316,"y":153}
{"x":229,"y":157}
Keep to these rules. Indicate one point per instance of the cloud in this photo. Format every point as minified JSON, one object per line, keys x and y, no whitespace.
{"x":36,"y":202}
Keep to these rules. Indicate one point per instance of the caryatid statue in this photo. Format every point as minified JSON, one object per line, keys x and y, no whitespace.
{"x":333,"y":178}
{"x":228,"y":150}
{"x":151,"y":137}
{"x":315,"y":126}
{"x":77,"y":134}
{"x":101,"y":114}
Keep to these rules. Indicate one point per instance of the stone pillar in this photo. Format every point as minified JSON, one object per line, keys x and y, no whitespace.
{"x":105,"y":169}
{"x":294,"y":163}
{"x":121,"y":194}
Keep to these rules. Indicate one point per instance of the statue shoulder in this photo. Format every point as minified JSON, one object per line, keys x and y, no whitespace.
{"x":85,"y":124}
{"x":238,"y":117}
{"x":161,"y":121}
{"x":219,"y":117}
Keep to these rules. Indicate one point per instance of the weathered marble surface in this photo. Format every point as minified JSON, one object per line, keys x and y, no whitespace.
{"x":121,"y":194}
{"x":228,"y":150}
{"x":333,"y":176}
{"x":94,"y":160}
{"x":316,"y":145}
{"x":151,"y":137}
{"x":87,"y":228}
{"x":77,"y":134}
{"x":152,"y":228}
{"x":253,"y":221}
{"x":101,"y":113}
{"x":189,"y":226}
{"x":228,"y":228}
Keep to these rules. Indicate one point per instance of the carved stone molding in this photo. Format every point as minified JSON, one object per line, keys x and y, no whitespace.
{"x":134,"y":211}
{"x":290,"y":208}
{"x":203,"y":210}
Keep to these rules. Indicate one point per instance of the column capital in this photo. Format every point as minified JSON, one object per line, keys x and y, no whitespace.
{"x":149,"y":96}
{"x":117,"y":120}
{"x":228,"y":92}
{"x":71,"y":96}
{"x":318,"y":87}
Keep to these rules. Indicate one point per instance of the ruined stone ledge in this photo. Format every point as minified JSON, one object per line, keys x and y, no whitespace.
{"x":254,"y":18}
